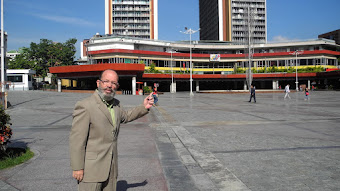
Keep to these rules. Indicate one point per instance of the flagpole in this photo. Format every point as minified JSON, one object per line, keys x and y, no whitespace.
{"x":3,"y":53}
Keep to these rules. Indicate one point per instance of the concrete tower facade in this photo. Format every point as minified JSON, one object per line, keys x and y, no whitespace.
{"x":133,"y":18}
{"x":227,"y":20}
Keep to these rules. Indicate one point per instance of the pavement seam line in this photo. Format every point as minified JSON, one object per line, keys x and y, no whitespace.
{"x":170,"y":136}
{"x":221,"y":175}
{"x":205,"y":159}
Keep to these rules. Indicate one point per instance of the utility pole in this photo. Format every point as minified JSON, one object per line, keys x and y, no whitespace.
{"x":3,"y":53}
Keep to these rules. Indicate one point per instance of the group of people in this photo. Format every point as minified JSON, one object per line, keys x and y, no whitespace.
{"x":287,"y":91}
{"x":95,"y":128}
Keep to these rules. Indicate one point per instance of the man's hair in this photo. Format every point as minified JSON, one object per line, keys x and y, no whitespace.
{"x":101,"y":74}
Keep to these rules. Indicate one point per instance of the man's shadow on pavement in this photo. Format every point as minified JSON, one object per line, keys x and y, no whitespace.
{"x":122,"y":185}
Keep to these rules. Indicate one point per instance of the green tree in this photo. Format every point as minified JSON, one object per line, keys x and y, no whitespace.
{"x":22,"y":61}
{"x":45,"y":54}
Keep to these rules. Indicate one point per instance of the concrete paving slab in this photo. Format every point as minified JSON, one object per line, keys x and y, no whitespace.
{"x":269,"y":145}
{"x":190,"y":143}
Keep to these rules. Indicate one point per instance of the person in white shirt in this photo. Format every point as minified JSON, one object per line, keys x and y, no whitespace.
{"x":287,"y":91}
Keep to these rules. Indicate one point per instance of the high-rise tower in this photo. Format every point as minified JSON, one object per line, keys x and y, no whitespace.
{"x":227,"y":20}
{"x":133,"y":18}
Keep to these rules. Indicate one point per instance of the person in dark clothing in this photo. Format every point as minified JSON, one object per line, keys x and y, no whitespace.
{"x":252,"y":93}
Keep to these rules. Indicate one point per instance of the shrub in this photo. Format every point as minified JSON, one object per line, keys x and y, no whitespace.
{"x":49,"y":86}
{"x":5,"y":129}
{"x":272,"y":69}
{"x":261,"y":70}
{"x":152,"y":69}
{"x":238,"y":70}
{"x":147,"y":89}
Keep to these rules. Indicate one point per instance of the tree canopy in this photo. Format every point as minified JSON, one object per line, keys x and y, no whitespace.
{"x":45,"y":54}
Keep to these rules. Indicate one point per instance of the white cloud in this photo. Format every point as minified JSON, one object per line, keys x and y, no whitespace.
{"x":66,"y":20}
{"x":280,"y":38}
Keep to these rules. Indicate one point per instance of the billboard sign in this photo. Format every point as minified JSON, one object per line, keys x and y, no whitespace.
{"x":215,"y":57}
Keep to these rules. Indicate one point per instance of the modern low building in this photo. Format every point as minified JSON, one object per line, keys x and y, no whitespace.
{"x":20,"y":79}
{"x":216,"y":66}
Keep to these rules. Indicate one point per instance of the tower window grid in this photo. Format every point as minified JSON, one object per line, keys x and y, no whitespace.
{"x":239,"y":21}
{"x":131,"y":18}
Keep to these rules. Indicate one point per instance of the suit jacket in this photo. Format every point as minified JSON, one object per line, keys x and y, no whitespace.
{"x":93,"y":137}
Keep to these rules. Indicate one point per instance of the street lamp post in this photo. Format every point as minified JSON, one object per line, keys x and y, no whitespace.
{"x":172,"y":71}
{"x":296,"y":53}
{"x":190,"y":32}
{"x":172,"y":75}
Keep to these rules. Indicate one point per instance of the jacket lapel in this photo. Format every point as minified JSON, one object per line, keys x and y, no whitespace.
{"x":103,"y":108}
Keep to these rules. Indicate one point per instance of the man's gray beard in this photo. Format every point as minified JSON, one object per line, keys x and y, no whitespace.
{"x":106,"y":97}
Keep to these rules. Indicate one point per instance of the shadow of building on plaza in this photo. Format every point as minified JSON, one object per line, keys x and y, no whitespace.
{"x":122,"y":185}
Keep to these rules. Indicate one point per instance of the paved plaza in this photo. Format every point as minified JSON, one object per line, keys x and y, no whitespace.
{"x":208,"y":142}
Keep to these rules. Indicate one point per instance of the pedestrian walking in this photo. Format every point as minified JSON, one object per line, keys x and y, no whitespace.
{"x":287,"y":91}
{"x":306,"y":94}
{"x":252,"y":93}
{"x":94,"y":134}
{"x":155,"y":96}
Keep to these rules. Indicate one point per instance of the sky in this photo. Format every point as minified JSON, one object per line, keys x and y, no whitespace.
{"x":59,"y":20}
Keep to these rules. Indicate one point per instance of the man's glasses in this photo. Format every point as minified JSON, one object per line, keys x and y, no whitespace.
{"x":107,"y":82}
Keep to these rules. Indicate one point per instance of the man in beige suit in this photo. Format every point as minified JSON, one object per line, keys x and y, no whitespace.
{"x":94,"y":133}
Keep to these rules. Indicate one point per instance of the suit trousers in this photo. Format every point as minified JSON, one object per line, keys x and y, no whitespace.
{"x":109,"y":185}
{"x":252,"y":96}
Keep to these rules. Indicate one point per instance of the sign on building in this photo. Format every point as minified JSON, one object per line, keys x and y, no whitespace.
{"x":215,"y":57}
